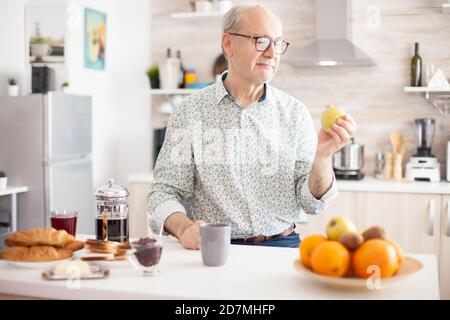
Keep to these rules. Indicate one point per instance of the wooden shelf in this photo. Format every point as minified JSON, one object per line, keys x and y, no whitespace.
{"x":187,"y":15}
{"x":171,"y":92}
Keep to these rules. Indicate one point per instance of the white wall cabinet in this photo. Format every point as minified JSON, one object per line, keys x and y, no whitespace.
{"x":411,"y":220}
{"x":342,"y":205}
{"x":444,"y":271}
{"x":138,"y":212}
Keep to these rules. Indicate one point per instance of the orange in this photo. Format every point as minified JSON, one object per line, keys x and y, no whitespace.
{"x":399,"y":250}
{"x":350,"y":273}
{"x":330,"y":258}
{"x":375,"y":252}
{"x":307,"y":247}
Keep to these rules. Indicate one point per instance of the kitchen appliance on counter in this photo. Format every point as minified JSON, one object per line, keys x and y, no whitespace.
{"x":424,"y":165}
{"x":348,"y":161}
{"x":42,"y":79}
{"x":45,"y":144}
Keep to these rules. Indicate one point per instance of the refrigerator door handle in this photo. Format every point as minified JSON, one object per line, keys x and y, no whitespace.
{"x":68,"y":161}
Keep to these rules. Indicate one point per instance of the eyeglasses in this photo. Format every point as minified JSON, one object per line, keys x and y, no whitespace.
{"x":262,"y":44}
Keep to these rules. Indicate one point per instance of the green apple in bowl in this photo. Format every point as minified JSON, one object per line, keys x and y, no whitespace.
{"x":338,"y":226}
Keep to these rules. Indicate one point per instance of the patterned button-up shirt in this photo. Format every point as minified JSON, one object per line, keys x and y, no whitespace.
{"x":248,"y":167}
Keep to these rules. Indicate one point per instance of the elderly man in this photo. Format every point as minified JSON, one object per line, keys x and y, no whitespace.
{"x":242,"y":152}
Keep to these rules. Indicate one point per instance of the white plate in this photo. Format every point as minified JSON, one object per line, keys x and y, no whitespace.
{"x":36,"y":265}
{"x":409,"y":267}
{"x":97,"y":272}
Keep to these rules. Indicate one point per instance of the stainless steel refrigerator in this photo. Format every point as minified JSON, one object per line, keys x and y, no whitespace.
{"x":45,"y":144}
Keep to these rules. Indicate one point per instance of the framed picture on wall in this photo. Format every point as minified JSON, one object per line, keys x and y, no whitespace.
{"x":94,"y":39}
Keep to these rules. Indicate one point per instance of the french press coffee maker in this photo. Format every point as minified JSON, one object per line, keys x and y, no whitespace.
{"x":111,"y":218}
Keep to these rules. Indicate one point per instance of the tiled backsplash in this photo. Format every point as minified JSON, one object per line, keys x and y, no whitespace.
{"x":372,"y":95}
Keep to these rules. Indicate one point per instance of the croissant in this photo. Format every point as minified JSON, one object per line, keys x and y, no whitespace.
{"x":74,"y":245}
{"x":35,"y":254}
{"x":44,"y":237}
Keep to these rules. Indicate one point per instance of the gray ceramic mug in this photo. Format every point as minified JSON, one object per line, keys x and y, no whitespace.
{"x":215,"y":241}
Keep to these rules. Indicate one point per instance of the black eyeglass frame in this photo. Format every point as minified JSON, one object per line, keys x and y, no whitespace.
{"x":258,"y":37}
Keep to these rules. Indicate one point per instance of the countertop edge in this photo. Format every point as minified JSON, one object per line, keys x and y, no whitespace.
{"x":368,"y":184}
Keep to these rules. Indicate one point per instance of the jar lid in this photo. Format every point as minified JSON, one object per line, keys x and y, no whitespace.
{"x":111,"y":190}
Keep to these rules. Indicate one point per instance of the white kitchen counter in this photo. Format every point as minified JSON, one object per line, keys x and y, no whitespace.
{"x":145,"y":177}
{"x":13,"y":190}
{"x":250,"y":273}
{"x":368,"y":184}
{"x":371,"y":184}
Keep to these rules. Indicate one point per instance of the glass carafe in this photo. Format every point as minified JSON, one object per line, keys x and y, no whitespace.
{"x":111,"y":217}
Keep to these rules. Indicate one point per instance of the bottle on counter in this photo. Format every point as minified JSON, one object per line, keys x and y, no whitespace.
{"x":169,"y":71}
{"x":388,"y":166}
{"x":379,"y":164}
{"x":181,"y":83}
{"x":416,"y":68}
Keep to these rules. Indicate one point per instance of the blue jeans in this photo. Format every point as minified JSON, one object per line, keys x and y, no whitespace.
{"x":290,"y":241}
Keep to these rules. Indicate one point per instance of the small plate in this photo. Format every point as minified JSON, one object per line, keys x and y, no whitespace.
{"x":36,"y":265}
{"x":409,"y":267}
{"x":97,"y":272}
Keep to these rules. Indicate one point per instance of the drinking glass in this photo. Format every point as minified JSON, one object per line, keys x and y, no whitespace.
{"x":145,"y":255}
{"x":64,"y":220}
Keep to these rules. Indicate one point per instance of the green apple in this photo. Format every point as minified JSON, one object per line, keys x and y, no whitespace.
{"x":338,"y":226}
{"x":330,"y":116}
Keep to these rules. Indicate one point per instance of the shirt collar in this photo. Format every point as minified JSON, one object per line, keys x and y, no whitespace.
{"x":221,"y":91}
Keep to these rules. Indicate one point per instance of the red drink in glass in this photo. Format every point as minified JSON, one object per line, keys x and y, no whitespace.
{"x":64,"y":220}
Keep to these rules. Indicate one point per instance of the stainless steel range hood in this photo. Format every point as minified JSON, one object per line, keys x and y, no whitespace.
{"x":332,"y":46}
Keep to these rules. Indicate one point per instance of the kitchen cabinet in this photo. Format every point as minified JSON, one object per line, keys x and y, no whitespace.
{"x":342,"y":205}
{"x":9,"y":211}
{"x":411,"y":220}
{"x":138,"y":211}
{"x":444,"y":260}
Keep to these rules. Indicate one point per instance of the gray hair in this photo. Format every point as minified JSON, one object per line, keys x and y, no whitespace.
{"x":232,"y":20}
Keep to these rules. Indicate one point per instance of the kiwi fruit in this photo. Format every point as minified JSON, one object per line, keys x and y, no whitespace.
{"x":351,"y":240}
{"x":375,"y":232}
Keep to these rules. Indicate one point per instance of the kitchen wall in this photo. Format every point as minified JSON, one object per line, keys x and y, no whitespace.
{"x":372,"y":95}
{"x":121,"y":135}
{"x":12,"y":53}
{"x":121,"y":129}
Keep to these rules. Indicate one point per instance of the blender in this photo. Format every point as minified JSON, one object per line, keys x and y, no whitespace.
{"x":424,"y":165}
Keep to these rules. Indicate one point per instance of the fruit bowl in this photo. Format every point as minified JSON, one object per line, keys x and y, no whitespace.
{"x":409,"y":267}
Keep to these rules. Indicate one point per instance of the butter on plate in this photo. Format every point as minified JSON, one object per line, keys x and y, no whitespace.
{"x":72,"y":268}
